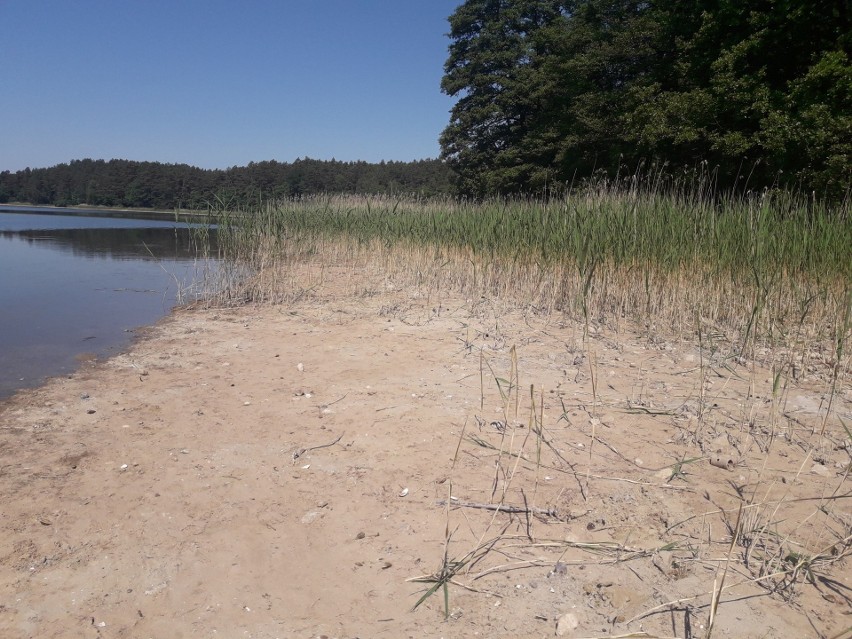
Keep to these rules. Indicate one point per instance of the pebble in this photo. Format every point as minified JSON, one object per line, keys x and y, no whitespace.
{"x":566,"y":623}
{"x":822,"y":471}
{"x":310,"y":517}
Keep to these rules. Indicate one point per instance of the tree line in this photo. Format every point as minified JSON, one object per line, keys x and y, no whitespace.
{"x":127,"y":183}
{"x":552,"y":90}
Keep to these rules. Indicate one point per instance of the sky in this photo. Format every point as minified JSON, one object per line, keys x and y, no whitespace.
{"x":220,"y":83}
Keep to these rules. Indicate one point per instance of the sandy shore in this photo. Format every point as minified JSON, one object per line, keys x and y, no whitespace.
{"x":280,"y":472}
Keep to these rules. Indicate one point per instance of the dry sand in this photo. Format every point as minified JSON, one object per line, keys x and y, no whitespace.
{"x":279,"y":471}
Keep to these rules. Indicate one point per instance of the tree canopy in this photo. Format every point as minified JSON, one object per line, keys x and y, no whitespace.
{"x":548,"y":90}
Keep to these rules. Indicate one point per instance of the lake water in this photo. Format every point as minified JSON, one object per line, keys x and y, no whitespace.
{"x":73,"y":287}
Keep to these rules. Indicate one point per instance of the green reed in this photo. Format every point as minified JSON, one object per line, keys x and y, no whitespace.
{"x":744,"y":236}
{"x":758,"y":262}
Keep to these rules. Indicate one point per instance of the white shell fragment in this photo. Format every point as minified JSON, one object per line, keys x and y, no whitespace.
{"x":403,"y":492}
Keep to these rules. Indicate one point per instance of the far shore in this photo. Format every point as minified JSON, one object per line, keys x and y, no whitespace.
{"x":180,"y":215}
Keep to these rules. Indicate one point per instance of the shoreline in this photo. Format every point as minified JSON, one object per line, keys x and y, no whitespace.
{"x":65,"y":303}
{"x":276,"y":470}
{"x":181,"y":215}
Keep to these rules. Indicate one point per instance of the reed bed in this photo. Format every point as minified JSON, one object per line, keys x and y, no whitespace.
{"x":768,"y":267}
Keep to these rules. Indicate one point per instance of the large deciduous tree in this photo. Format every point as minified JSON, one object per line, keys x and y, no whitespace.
{"x":548,"y":90}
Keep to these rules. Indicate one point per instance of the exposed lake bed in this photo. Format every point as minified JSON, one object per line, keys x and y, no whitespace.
{"x":283,"y":470}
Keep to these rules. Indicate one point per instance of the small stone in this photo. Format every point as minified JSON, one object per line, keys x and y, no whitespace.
{"x":91,"y":411}
{"x":566,"y":623}
{"x":300,"y":367}
{"x":822,"y":471}
{"x":361,"y":535}
{"x":310,"y":517}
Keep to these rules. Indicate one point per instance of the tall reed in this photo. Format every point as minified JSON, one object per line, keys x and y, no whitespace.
{"x":760,"y":265}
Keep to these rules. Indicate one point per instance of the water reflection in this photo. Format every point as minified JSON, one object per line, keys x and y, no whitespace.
{"x":74,"y":287}
{"x":119,"y":243}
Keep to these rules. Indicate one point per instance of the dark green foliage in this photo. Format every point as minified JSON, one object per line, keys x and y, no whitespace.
{"x":124,"y":183}
{"x":494,"y":68}
{"x":551,"y":90}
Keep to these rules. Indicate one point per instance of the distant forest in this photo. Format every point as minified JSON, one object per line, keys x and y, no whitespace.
{"x":126,"y":183}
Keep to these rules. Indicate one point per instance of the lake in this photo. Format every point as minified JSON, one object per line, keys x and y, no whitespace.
{"x":74,"y":286}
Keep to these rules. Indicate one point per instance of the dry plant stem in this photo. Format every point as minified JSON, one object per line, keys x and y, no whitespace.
{"x":717,"y":592}
{"x":448,"y":569}
{"x":702,"y":381}
{"x":675,"y":602}
{"x":519,"y":455}
{"x":301,"y":451}
{"x":842,"y":330}
{"x":594,"y":420}
{"x":539,"y":432}
{"x":514,"y":380}
{"x":481,"y":380}
{"x":753,"y":505}
{"x":579,"y":475}
{"x":531,"y":427}
{"x":521,"y":510}
{"x":717,"y":589}
{"x":505,"y":400}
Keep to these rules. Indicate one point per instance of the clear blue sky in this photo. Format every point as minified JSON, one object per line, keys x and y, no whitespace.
{"x":218,"y":83}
